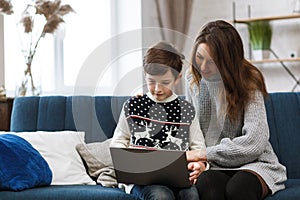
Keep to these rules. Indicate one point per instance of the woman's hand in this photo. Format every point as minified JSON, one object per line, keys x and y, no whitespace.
{"x":196,"y":155}
{"x":196,"y":169}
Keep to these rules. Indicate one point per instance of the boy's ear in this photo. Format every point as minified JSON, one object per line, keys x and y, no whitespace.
{"x":178,"y":78}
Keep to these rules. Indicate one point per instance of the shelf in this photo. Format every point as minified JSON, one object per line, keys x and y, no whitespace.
{"x":291,"y":16}
{"x":276,"y":60}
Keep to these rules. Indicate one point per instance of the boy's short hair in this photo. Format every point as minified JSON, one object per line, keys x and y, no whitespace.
{"x":162,"y":57}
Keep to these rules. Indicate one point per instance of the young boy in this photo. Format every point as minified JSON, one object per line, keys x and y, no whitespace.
{"x":160,"y":119}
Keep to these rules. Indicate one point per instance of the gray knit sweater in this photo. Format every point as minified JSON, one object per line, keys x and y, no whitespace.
{"x":240,"y":145}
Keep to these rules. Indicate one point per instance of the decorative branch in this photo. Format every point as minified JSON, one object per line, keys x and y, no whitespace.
{"x":53,"y":12}
{"x":6,"y":7}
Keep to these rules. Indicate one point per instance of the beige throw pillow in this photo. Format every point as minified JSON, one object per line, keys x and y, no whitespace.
{"x":98,"y":160}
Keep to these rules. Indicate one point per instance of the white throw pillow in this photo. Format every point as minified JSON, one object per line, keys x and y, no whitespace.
{"x":58,"y":149}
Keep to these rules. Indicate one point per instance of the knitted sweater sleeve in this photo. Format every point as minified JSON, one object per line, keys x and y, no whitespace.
{"x":196,"y":138}
{"x":250,"y":145}
{"x":121,"y":137}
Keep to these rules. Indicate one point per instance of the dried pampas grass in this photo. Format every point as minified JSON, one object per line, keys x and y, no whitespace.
{"x":6,"y":7}
{"x":27,"y":23}
{"x":53,"y":12}
{"x":52,"y":24}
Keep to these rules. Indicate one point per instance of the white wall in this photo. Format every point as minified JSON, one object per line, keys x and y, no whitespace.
{"x":286,"y":37}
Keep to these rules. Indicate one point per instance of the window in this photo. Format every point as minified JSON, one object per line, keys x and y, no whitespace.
{"x":15,"y":61}
{"x":61,"y":58}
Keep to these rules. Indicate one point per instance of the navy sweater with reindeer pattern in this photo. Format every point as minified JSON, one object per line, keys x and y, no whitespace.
{"x":169,"y":124}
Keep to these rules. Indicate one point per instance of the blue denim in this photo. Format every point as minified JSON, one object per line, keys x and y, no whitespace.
{"x":190,"y":193}
{"x":161,"y":192}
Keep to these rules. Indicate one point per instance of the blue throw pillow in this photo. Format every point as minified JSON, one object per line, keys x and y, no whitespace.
{"x":21,"y":165}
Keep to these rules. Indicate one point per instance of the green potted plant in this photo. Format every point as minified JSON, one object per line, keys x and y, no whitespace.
{"x":260,"y":33}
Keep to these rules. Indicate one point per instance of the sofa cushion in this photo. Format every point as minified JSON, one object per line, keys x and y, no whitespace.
{"x":68,"y":192}
{"x":96,"y":116}
{"x":98,"y":160}
{"x":25,"y":107}
{"x":108,"y":110}
{"x":58,"y":149}
{"x":283,"y":113}
{"x":21,"y":165}
{"x":291,"y":192}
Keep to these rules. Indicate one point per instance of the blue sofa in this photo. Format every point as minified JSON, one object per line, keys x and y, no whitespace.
{"x":97,"y":116}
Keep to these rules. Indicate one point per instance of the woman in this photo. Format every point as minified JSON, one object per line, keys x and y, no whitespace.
{"x":228,"y":92}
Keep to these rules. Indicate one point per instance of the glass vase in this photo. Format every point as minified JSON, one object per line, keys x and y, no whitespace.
{"x":27,"y":86}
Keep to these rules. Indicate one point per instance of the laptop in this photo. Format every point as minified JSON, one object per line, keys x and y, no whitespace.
{"x":150,"y":166}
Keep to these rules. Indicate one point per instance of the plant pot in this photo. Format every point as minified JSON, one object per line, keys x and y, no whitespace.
{"x":260,"y":33}
{"x":260,"y":54}
{"x":297,"y":7}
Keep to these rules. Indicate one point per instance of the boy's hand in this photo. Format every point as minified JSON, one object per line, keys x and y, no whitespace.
{"x":196,"y":169}
{"x":138,"y":95}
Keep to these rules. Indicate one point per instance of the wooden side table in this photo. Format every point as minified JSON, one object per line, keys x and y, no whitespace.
{"x":6,"y":105}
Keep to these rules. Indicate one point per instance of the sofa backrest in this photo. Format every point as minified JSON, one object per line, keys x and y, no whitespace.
{"x":97,"y":116}
{"x":283,"y":113}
